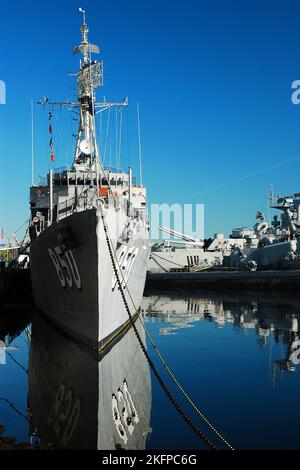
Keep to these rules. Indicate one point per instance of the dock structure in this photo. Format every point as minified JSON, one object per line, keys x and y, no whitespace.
{"x":214,"y":280}
{"x":9,"y":252}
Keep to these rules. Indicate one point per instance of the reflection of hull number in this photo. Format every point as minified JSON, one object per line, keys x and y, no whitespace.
{"x":64,"y":414}
{"x":66,"y":267}
{"x":128,"y":417}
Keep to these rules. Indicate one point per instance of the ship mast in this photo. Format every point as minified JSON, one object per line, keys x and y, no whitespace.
{"x":89,"y":77}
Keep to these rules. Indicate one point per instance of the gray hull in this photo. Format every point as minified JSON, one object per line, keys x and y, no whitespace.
{"x":73,"y":279}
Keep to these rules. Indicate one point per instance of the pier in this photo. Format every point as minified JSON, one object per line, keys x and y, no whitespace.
{"x":214,"y":280}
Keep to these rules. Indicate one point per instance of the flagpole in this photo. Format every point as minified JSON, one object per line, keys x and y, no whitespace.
{"x":139,"y":142}
{"x":32,"y":146}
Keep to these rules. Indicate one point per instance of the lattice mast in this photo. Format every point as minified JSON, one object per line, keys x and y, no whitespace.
{"x":89,"y":77}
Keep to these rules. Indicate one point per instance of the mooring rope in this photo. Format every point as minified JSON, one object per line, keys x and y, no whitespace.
{"x":154,"y":254}
{"x":186,"y":394}
{"x":15,"y":409}
{"x":180,"y":387}
{"x":16,"y":362}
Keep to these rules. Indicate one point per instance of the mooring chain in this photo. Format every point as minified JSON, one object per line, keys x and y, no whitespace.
{"x":186,"y":418}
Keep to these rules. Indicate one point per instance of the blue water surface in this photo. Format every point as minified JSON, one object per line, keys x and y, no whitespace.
{"x":232,"y":354}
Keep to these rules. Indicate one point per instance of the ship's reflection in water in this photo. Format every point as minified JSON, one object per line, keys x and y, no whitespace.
{"x":80,"y":402}
{"x":232,"y":353}
{"x":266,"y":315}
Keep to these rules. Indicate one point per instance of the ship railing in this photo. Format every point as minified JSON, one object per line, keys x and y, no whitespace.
{"x":75,"y":204}
{"x":87,"y":200}
{"x":66,"y":208}
{"x":43,"y":180}
{"x":61,"y":169}
{"x":112,"y":169}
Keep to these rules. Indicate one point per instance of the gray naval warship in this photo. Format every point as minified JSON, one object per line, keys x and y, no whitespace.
{"x":268,"y":245}
{"x":73,"y":217}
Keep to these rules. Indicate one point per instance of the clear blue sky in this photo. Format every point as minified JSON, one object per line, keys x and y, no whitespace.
{"x":213,"y":79}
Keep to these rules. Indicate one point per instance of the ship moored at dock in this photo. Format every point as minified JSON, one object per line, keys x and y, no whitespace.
{"x":73,"y":280}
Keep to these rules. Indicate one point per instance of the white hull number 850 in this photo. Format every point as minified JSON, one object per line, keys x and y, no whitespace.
{"x":66,"y":267}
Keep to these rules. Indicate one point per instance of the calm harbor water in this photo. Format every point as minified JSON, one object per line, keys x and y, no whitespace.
{"x":230,"y":352}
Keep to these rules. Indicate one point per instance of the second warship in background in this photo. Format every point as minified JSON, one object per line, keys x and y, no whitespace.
{"x":72,"y":215}
{"x":266,"y":246}
{"x":183,"y":252}
{"x":270,"y":246}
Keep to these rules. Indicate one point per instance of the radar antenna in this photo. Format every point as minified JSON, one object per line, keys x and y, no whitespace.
{"x":271,"y":196}
{"x":89,"y":77}
{"x":85,"y":47}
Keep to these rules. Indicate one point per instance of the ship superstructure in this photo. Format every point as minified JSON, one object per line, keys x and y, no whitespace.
{"x":270,"y":245}
{"x":72,"y":274}
{"x":185,"y":252}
